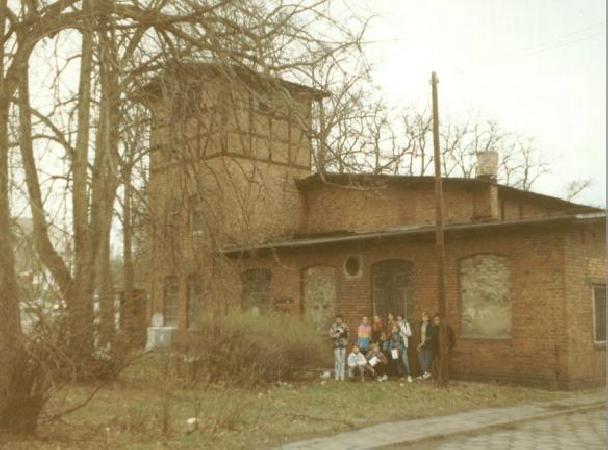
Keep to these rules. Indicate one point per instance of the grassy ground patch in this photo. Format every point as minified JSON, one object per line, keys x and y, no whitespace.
{"x":147,"y":408}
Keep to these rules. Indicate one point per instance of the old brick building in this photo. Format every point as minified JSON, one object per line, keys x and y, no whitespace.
{"x":239,"y":221}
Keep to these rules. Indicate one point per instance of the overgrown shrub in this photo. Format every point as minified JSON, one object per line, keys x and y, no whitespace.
{"x":107,"y":363}
{"x":247,"y":349}
{"x":45,"y":366}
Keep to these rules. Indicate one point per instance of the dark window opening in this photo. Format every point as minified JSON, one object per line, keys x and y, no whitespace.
{"x":599,"y":313}
{"x":392,"y":284}
{"x":171,"y":302}
{"x":256,"y":295}
{"x":195,"y":296}
{"x":197,"y":217}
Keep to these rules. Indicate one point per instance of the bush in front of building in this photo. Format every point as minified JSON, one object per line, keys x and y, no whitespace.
{"x":247,"y":349}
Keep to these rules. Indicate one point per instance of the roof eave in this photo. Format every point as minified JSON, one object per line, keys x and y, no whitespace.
{"x":413,"y":231}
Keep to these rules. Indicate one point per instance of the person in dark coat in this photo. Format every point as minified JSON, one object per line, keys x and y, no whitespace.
{"x":435,"y":336}
{"x":436,"y":341}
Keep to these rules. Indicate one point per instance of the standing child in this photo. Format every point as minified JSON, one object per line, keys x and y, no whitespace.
{"x":339,"y":333}
{"x":377,"y":330}
{"x":364,"y":335}
{"x":406,"y":332}
{"x":395,"y":351}
{"x":390,"y":321}
{"x":425,"y":352}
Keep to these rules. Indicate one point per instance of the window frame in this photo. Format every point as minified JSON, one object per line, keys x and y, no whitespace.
{"x":246,"y":305}
{"x":168,"y":283}
{"x":595,"y":286}
{"x":194,"y":281}
{"x":196,"y":217}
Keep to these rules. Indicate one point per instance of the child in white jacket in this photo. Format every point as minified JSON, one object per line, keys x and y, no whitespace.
{"x":357,"y":364}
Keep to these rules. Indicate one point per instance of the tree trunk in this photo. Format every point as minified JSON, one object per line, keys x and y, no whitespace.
{"x":47,"y":253}
{"x":11,"y":349}
{"x":106,"y":169}
{"x":127,"y":236}
{"x":80,"y":300}
{"x":441,"y":363}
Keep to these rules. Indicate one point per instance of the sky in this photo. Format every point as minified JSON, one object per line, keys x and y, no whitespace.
{"x":537,"y":67}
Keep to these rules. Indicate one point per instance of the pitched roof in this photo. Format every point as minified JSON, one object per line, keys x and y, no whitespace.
{"x":178,"y":69}
{"x":411,"y":231}
{"x":372,"y":180}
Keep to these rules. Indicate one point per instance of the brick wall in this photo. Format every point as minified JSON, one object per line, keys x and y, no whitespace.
{"x":363,"y":208}
{"x":350,"y":208}
{"x":585,"y":263}
{"x":519,"y":207}
{"x":244,"y":174}
{"x":233,"y":154}
{"x":536,"y":352}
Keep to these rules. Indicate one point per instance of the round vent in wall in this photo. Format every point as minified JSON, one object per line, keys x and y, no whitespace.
{"x":352,"y":266}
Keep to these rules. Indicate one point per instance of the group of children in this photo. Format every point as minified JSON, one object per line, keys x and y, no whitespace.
{"x":382,"y":347}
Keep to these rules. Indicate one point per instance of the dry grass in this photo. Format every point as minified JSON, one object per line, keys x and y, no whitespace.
{"x":146,"y":408}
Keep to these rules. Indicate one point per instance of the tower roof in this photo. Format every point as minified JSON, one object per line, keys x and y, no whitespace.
{"x":200,"y":71}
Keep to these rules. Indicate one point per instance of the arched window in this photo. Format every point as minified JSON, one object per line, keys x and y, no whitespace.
{"x":393,"y":286}
{"x":256,"y":295}
{"x":485,"y":291}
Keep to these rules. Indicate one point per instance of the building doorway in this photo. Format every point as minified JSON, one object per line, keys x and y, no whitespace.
{"x":392,"y":288}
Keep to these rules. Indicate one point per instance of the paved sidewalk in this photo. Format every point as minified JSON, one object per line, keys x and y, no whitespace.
{"x":412,"y":431}
{"x":582,"y":430}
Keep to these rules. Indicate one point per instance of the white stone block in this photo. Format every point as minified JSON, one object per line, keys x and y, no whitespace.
{"x":159,"y":337}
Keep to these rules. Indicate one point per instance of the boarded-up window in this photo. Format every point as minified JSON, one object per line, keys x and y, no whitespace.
{"x":171,"y":302}
{"x":599,"y":313}
{"x":195,"y":294}
{"x":256,"y":295}
{"x":319,"y":294}
{"x":485,"y":289}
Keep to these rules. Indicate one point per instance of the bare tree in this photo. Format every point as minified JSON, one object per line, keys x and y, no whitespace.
{"x":122,"y":46}
{"x":577,"y":187}
{"x":11,"y":351}
{"x":367,"y":137}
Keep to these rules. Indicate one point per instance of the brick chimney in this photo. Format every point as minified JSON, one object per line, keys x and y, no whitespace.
{"x":487,"y":165}
{"x":485,"y":199}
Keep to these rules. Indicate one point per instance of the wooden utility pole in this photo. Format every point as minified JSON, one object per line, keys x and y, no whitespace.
{"x":441,"y":364}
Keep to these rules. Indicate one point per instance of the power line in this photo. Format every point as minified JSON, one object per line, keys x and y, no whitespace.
{"x":556,"y":38}
{"x":549,"y":45}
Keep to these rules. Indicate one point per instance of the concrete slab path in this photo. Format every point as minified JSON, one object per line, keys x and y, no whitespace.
{"x":580,"y":430}
{"x":411,"y":431}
